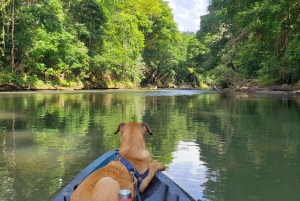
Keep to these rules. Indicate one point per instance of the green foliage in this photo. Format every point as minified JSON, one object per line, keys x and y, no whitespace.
{"x":44,"y":45}
{"x":266,"y":79}
{"x":257,"y":39}
{"x":223,"y":76}
{"x":98,"y":42}
{"x":21,"y":80}
{"x":292,"y":59}
{"x":247,"y":59}
{"x":104,"y":42}
{"x":57,"y":53}
{"x":120,"y":57}
{"x":271,"y":68}
{"x":162,"y":53}
{"x":93,"y":41}
{"x":89,"y":19}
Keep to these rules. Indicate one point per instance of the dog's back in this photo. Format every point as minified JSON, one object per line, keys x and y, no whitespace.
{"x":104,"y":183}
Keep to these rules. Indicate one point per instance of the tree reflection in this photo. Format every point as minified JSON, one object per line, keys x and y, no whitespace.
{"x":245,"y":140}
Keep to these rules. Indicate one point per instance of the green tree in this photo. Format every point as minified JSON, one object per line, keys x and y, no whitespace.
{"x":252,"y":38}
{"x":160,"y":51}
{"x":120,"y":60}
{"x":98,"y":43}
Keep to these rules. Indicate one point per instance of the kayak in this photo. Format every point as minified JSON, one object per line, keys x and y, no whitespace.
{"x":161,"y":187}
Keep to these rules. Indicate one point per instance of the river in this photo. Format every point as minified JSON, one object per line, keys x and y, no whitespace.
{"x":216,"y":146}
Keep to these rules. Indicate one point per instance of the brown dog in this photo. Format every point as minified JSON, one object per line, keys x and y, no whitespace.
{"x":104,"y":183}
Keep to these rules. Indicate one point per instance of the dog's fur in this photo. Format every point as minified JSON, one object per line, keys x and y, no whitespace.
{"x":104,"y":183}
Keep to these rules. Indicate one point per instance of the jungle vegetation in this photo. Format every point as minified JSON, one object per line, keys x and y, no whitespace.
{"x":131,"y":43}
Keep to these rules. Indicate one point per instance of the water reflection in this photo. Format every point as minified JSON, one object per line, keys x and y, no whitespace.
{"x":216,"y":146}
{"x":186,"y":166}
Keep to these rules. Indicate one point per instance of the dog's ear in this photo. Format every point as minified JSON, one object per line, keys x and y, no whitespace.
{"x":119,"y":127}
{"x":148,"y":128}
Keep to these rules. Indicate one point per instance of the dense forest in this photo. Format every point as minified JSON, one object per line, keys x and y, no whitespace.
{"x":251,"y":39}
{"x":131,"y":43}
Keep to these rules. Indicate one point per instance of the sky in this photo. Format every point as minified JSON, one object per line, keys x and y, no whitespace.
{"x":187,"y":13}
{"x":187,"y":170}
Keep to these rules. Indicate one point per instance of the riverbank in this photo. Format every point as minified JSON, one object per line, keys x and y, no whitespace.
{"x":247,"y":86}
{"x":14,"y":88}
{"x":252,"y":86}
{"x":264,"y":90}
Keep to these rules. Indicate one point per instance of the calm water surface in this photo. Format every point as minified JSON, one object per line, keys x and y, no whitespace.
{"x":226,"y":147}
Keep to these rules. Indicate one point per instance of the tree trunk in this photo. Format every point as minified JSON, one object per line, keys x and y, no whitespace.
{"x":3,"y":33}
{"x":12,"y":36}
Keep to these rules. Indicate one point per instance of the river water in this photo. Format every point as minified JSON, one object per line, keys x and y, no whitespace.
{"x":216,"y":146}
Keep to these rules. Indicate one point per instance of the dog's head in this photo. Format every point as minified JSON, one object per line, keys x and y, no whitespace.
{"x":141,"y":127}
{"x":133,"y":131}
